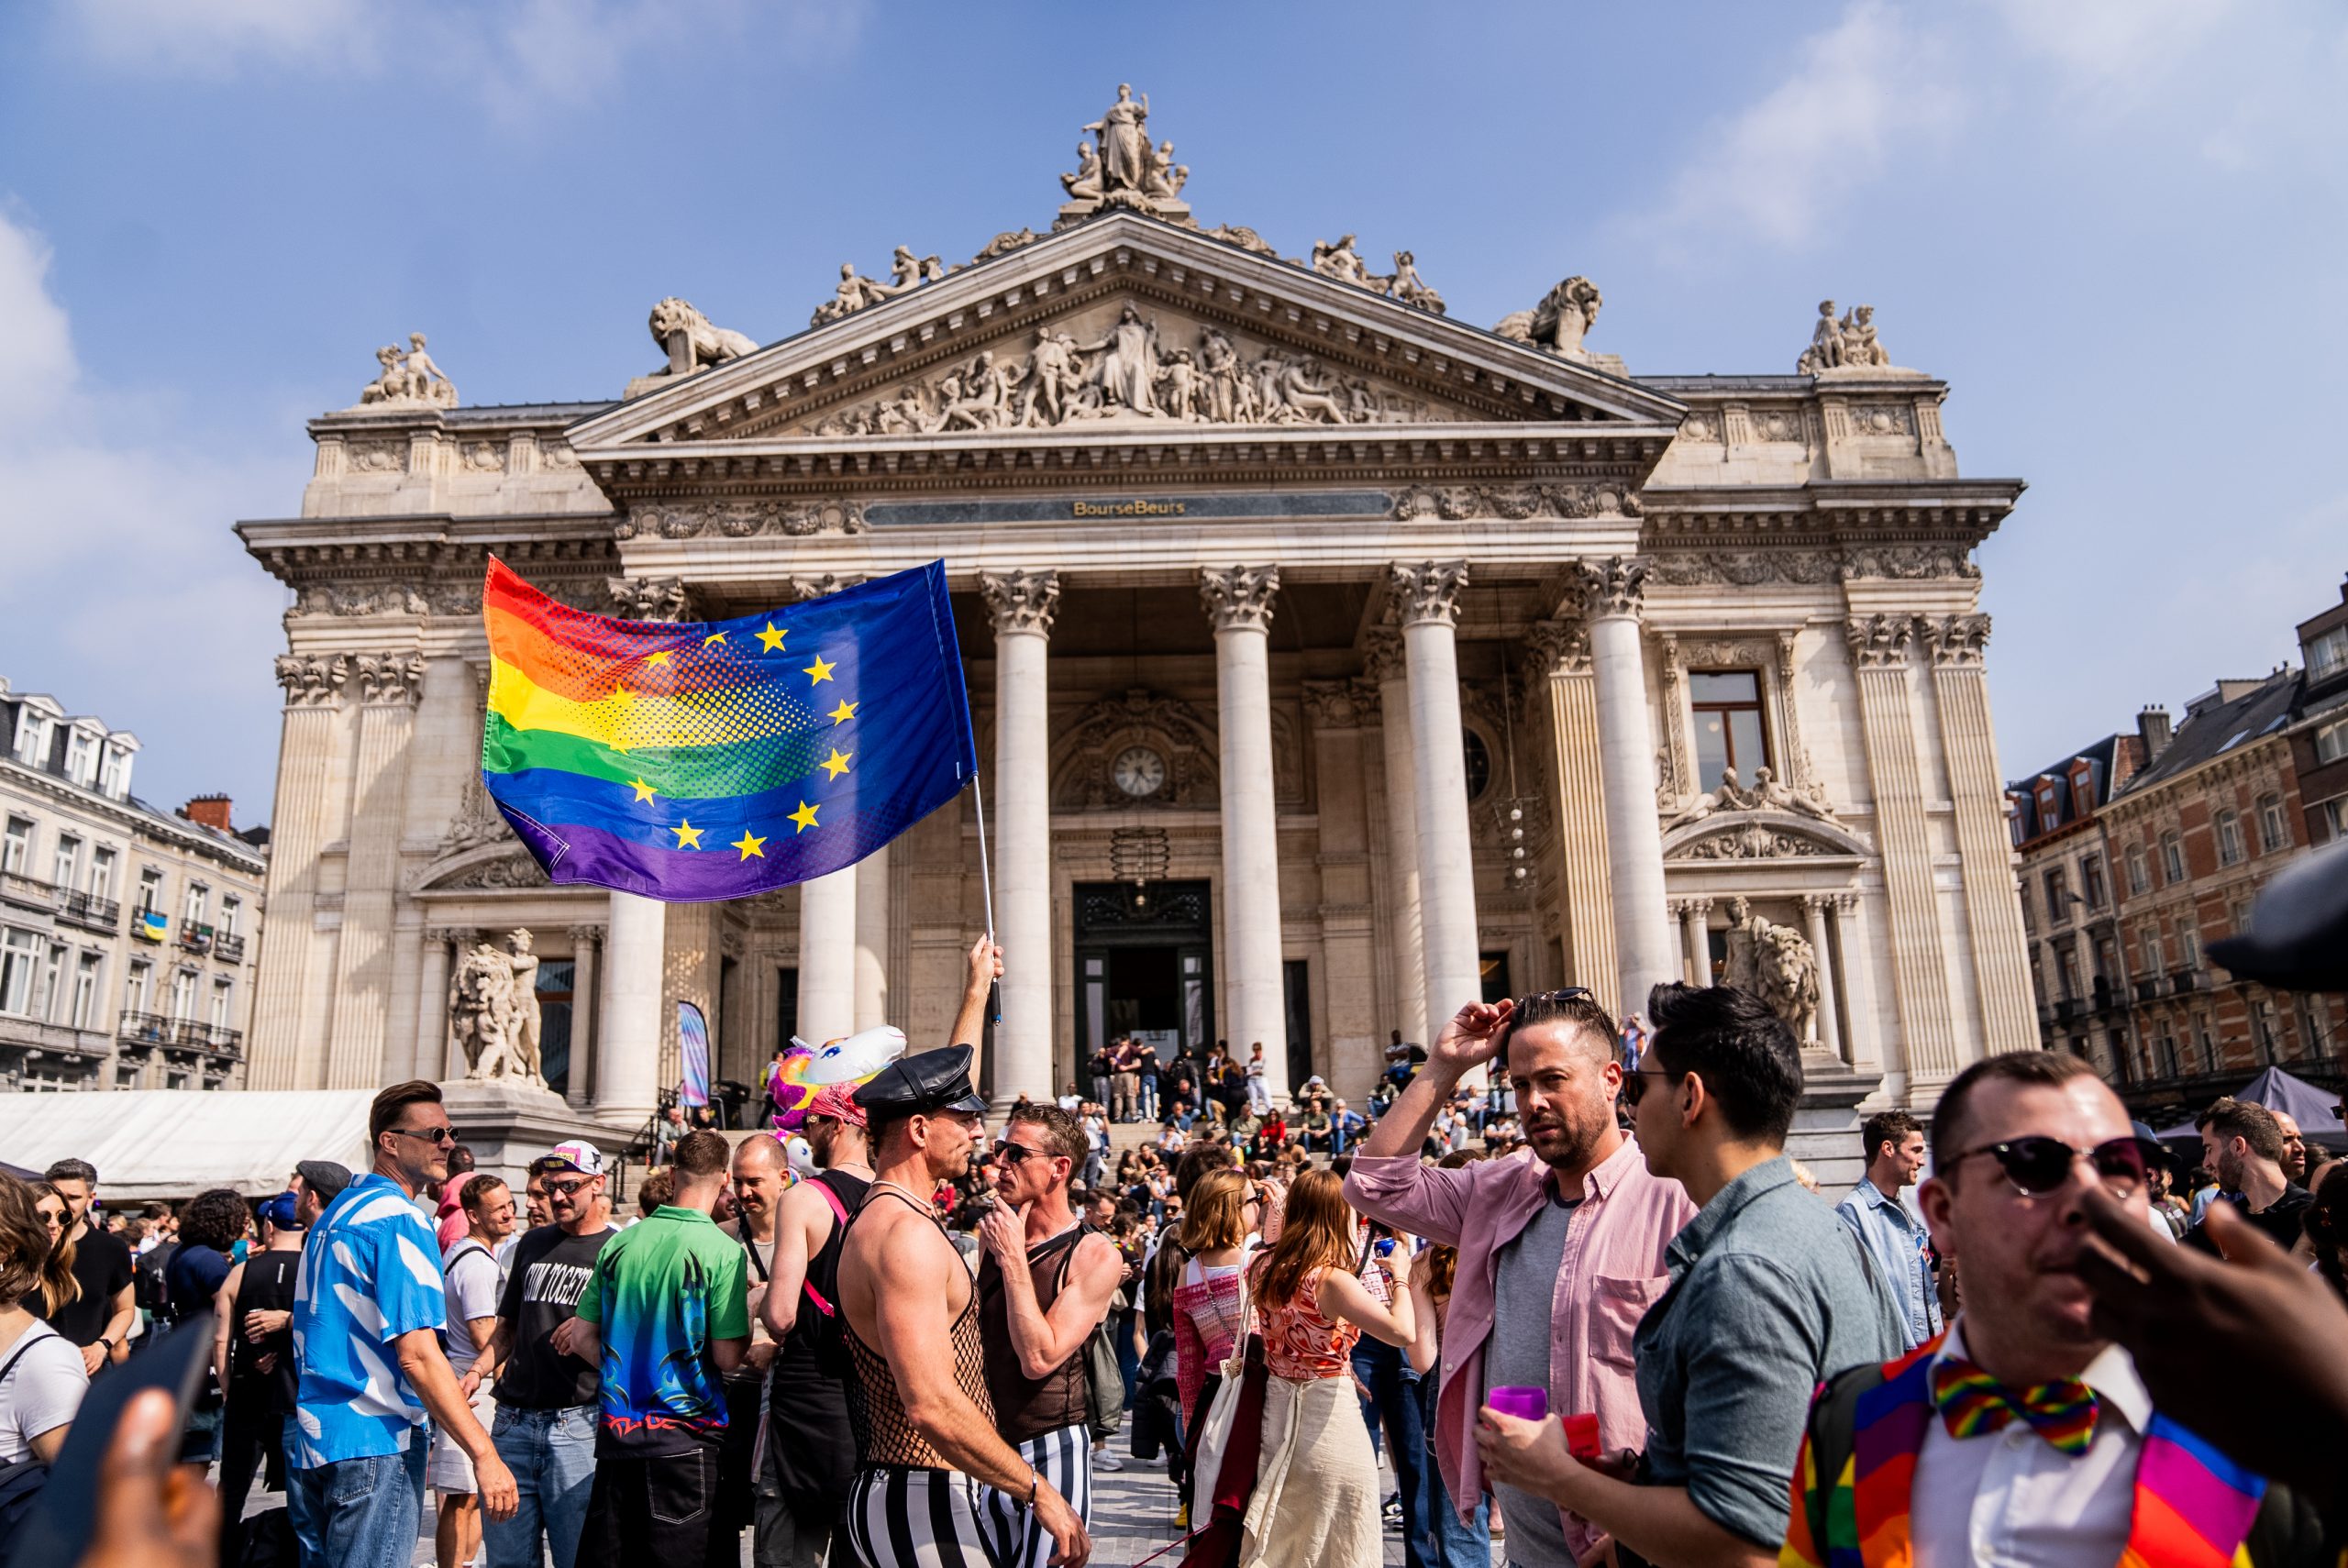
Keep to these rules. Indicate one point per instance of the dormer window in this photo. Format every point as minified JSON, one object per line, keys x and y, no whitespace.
{"x":82,"y":758}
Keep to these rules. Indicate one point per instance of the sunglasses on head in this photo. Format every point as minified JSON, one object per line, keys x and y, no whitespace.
{"x":2037,"y":1166}
{"x":1562,"y":994}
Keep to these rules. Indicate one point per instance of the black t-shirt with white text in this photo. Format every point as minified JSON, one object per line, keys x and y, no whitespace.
{"x":550,"y":1269}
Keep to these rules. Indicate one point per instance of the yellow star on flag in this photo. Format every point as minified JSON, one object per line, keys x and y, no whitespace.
{"x":661,"y":658}
{"x":712,"y":637}
{"x":820,"y":671}
{"x":771,"y":640}
{"x":749,"y":843}
{"x":843,"y":714}
{"x":688,"y":836}
{"x":836,"y":764}
{"x":804,"y":816}
{"x":623,"y":696}
{"x":643,"y":791}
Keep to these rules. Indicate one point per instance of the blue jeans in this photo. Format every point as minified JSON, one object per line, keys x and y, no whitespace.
{"x":552,"y":1455}
{"x":1393,"y":1404}
{"x":360,"y":1513}
{"x":1149,"y":1097}
{"x":1457,"y":1545}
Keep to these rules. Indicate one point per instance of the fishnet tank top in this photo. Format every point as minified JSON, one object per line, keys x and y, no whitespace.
{"x":884,"y":1436}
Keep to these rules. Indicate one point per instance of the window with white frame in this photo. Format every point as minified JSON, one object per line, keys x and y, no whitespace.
{"x":183,"y":995}
{"x":2331,"y":741}
{"x":48,"y":990}
{"x":2091,"y":880}
{"x":151,"y":891}
{"x":2151,"y":943}
{"x":2229,"y":827}
{"x":2335,"y":819}
{"x":2267,"y":1030}
{"x":175,"y":1080}
{"x":231,"y":908}
{"x":82,"y":758}
{"x":139,"y":987}
{"x":125,"y":1075}
{"x":2208,"y":1043}
{"x":101,"y":872}
{"x":2327,"y":654}
{"x":2140,"y":870}
{"x":192,"y":907}
{"x":2315,"y":1039}
{"x":17,"y":849}
{"x":66,"y":867}
{"x":89,"y":975}
{"x":32,"y":738}
{"x":19,"y":958}
{"x":223,"y":992}
{"x":2274,"y":826}
{"x":113,"y":772}
{"x":2188,"y":944}
{"x":2171,"y":859}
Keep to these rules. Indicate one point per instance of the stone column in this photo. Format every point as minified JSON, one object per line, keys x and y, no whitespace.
{"x":1577,"y":794}
{"x":428,"y":1052}
{"x":871,"y":990}
{"x":1903,"y":837}
{"x":388,"y":684}
{"x":283,"y":1056}
{"x":1697,"y":932}
{"x":627,"y":1056}
{"x":827,"y":956}
{"x":1992,"y":914}
{"x":1426,"y":597}
{"x":1830,"y":1027}
{"x":1023,"y":604}
{"x":1612,"y":595}
{"x":586,"y":1005}
{"x":1391,"y":670}
{"x":1239,"y":602}
{"x":1855,"y":964}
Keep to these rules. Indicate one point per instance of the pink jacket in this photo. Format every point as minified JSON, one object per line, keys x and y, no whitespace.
{"x":1612,"y":1271}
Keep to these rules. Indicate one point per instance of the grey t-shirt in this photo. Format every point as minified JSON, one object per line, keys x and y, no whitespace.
{"x":1517,"y":1355}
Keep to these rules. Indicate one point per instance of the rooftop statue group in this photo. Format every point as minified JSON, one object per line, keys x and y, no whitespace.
{"x":1848,"y":344}
{"x":408,"y":380}
{"x":493,"y":1010}
{"x":1126,"y":372}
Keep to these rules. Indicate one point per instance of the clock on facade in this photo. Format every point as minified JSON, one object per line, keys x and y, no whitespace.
{"x":1138,"y":771}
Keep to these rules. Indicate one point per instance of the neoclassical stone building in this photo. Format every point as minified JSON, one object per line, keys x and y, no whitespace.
{"x":1332,"y":662}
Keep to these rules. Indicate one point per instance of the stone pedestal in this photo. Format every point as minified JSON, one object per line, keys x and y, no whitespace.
{"x":507,"y":1124}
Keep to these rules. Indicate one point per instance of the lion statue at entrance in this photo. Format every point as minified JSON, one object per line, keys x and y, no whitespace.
{"x":708,"y":345}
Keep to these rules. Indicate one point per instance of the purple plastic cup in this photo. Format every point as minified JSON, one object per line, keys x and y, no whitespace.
{"x":1524,"y":1404}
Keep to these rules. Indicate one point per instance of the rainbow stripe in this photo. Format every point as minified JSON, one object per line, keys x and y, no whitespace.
{"x":714,"y":760}
{"x":1974,"y":1404}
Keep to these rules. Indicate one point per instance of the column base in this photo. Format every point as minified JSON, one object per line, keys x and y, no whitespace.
{"x":508,"y":1124}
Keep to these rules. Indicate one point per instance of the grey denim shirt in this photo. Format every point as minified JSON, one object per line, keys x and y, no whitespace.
{"x":1769,"y":1296}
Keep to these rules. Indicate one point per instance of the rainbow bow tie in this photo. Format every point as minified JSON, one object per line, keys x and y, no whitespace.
{"x":1972,"y":1403}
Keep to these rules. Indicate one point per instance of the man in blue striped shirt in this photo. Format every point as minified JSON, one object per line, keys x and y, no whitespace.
{"x":1889,"y":1226}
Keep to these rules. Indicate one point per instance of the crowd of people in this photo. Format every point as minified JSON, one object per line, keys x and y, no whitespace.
{"x":1564,"y":1275}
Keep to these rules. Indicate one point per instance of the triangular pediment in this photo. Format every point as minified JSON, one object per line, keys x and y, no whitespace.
{"x":1123,"y":327}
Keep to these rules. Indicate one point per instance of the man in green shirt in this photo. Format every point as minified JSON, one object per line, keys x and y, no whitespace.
{"x":667,"y":1316}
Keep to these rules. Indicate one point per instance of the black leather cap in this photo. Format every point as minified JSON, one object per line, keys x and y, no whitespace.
{"x":2297,"y":939}
{"x":924,"y":1084}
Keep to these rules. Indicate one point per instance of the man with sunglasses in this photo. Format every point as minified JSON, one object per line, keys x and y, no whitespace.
{"x":547,"y":1402}
{"x":1559,"y":1254}
{"x":2023,"y":1434}
{"x":368,"y":1308}
{"x":1769,"y":1295}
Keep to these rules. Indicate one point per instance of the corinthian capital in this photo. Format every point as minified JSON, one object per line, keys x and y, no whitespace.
{"x":1956,"y":639}
{"x":1021,"y":600}
{"x":1559,"y":647}
{"x":394,"y":677}
{"x":1879,"y":642}
{"x":1425,"y":592}
{"x":1618,"y":587}
{"x":311,"y":681}
{"x":647,"y":598}
{"x":1384,"y":657}
{"x":1239,"y":600}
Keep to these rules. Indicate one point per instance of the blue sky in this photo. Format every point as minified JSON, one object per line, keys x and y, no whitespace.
{"x":2115,"y":226}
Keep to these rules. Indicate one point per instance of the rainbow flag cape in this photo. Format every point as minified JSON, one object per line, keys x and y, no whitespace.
{"x":689,"y":762}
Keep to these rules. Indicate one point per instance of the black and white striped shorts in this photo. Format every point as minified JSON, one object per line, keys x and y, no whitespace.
{"x":899,"y":1517}
{"x":1064,"y":1458}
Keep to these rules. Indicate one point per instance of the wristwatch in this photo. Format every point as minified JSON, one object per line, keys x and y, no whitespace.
{"x":108,"y":1344}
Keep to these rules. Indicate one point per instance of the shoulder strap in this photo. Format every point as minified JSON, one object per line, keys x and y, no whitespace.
{"x":839,"y":1209}
{"x":1833,"y":1432}
{"x":30,"y":1338}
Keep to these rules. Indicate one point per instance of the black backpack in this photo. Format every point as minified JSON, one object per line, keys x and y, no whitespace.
{"x":21,"y":1479}
{"x":147,"y":1287}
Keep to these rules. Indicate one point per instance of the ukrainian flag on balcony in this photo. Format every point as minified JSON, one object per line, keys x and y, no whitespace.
{"x":150,"y":926}
{"x":689,"y":762}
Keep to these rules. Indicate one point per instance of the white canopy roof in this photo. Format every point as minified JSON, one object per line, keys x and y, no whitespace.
{"x":176,"y":1143}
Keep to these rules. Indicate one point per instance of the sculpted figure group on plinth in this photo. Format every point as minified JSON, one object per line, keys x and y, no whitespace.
{"x":1560,"y":321}
{"x":493,"y":1010}
{"x":408,"y":379}
{"x":1848,"y":344}
{"x":1775,"y":962}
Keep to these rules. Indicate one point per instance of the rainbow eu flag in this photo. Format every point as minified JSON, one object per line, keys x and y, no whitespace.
{"x":688,"y":762}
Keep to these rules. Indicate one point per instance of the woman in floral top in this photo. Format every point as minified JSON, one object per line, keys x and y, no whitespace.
{"x":1316,"y":1484}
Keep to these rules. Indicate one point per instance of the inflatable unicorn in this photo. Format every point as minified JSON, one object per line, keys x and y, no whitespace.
{"x":803,"y":1069}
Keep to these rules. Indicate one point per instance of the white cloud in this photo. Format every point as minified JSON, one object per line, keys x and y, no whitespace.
{"x":218,"y":38}
{"x":128,"y":596}
{"x":1785,"y":168}
{"x":2116,"y":52}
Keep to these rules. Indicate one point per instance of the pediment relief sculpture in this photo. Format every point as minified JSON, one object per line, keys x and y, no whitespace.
{"x":1768,"y":793}
{"x":1117,"y":363}
{"x":485,"y":868}
{"x":855,"y":293}
{"x":1403,"y":285}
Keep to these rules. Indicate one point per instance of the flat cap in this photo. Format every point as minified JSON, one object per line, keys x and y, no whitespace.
{"x":923,"y":1084}
{"x":324,"y":1177}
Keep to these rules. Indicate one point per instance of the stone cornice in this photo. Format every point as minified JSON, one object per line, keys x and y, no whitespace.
{"x":414,"y":567}
{"x":129,"y":817}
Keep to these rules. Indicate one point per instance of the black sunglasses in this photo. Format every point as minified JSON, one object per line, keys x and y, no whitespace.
{"x":430,"y":1134}
{"x":1563,"y":994}
{"x":2037,"y":1166}
{"x":1634,"y":1082}
{"x":1016,"y":1153}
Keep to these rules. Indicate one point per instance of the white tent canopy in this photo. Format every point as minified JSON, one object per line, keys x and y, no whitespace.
{"x":177,"y":1142}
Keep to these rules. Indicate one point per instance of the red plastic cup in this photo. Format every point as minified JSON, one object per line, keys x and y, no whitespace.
{"x":1524,"y":1403}
{"x":1581,"y":1436}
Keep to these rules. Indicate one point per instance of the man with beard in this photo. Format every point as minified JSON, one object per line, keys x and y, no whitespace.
{"x":2241,"y":1143}
{"x":926,"y":1447}
{"x":2023,"y":1434}
{"x":2294,"y":1147}
{"x":809,"y":1449}
{"x":1559,"y":1254}
{"x":1044,"y":1286}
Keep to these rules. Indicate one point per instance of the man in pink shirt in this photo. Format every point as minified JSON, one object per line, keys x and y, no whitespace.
{"x":1576,"y":1217}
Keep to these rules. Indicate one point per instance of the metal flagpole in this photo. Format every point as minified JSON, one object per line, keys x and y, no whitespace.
{"x":986,"y":883}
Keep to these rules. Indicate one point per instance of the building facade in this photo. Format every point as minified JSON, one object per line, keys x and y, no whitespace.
{"x":129,"y":936}
{"x":1333,"y":663}
{"x":2142,"y":850}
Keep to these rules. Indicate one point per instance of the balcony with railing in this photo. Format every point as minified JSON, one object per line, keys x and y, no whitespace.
{"x":228,"y":947}
{"x":2184,"y":981}
{"x":179,"y":1035}
{"x":81,"y":909}
{"x":61,"y":1039}
{"x":143,"y":1029}
{"x":196,"y":937}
